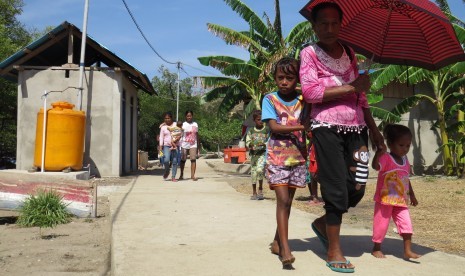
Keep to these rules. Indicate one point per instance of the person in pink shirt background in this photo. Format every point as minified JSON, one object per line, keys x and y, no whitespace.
{"x":170,"y":154}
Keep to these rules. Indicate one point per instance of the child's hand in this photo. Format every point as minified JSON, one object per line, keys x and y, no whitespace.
{"x":413,"y":200}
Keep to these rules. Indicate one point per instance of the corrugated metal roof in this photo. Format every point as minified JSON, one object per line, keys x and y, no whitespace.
{"x":52,"y":50}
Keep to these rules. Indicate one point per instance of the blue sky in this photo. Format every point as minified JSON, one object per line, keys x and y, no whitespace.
{"x":177,"y":29}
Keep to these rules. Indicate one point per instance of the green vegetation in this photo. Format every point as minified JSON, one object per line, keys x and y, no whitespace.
{"x":46,"y":209}
{"x":249,"y":80}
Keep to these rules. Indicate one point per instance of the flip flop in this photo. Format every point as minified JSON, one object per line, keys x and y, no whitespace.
{"x":323,"y":239}
{"x":340,"y":269}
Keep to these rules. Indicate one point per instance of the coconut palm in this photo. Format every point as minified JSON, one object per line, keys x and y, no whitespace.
{"x":266,"y":45}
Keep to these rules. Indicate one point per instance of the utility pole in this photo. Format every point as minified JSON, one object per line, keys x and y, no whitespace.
{"x":178,"y":64}
{"x":83,"y":54}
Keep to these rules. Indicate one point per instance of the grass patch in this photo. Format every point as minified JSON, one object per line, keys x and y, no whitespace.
{"x":44,"y":210}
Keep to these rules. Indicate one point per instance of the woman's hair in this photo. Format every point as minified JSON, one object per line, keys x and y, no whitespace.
{"x":189,"y":111}
{"x":167,"y":114}
{"x":325,"y":5}
{"x":256,"y":113}
{"x":288,"y":66}
{"x":392,"y":132}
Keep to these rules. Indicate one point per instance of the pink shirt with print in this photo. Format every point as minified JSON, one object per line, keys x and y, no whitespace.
{"x":319,"y":71}
{"x":165,"y":135}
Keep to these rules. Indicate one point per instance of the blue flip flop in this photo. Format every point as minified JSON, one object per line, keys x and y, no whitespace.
{"x":340,"y":269}
{"x":323,"y":239}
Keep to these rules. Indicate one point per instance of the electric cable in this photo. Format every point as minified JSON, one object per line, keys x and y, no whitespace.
{"x":143,"y":35}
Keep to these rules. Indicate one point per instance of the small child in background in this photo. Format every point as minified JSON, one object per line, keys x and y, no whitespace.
{"x":256,"y":142}
{"x":176,"y":133}
{"x":286,"y":150}
{"x":312,"y":178}
{"x":394,"y":191}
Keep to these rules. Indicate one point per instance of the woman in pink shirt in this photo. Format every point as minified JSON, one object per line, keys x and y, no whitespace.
{"x":171,"y":155}
{"x":340,"y":122}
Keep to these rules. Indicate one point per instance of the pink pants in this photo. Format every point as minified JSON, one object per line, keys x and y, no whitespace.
{"x":382,"y":216}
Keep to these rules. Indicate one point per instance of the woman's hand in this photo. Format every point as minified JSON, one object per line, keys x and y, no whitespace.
{"x":377,"y":140}
{"x":362,"y":83}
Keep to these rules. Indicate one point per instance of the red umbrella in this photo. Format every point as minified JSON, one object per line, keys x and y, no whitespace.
{"x":403,"y":32}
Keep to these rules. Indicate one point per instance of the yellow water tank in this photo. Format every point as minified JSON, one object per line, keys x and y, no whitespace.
{"x":64,"y":139}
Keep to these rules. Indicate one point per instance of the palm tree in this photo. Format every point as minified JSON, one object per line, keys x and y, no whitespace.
{"x":266,"y":45}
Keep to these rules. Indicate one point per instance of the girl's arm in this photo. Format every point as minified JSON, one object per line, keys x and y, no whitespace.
{"x":248,"y":140}
{"x":376,"y":137}
{"x":375,"y":163}
{"x":413,"y":199}
{"x":278,"y":128}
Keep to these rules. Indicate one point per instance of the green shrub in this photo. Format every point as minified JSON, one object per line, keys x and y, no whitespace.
{"x":46,"y":209}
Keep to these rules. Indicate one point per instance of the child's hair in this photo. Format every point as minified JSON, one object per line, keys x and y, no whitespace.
{"x":179,"y":123}
{"x":256,"y":113}
{"x":189,"y":111}
{"x":288,"y":65}
{"x":392,"y":132}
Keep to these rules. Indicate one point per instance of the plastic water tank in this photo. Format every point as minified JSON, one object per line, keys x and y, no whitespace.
{"x":64,"y":140}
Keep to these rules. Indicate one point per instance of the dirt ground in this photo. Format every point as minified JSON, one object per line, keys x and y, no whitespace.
{"x":82,"y":247}
{"x":437,"y":220}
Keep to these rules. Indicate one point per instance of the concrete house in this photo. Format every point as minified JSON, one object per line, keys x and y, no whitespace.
{"x":109,"y":97}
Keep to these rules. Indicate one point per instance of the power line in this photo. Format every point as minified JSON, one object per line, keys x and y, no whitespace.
{"x":143,"y":35}
{"x":156,"y":52}
{"x":209,"y":73}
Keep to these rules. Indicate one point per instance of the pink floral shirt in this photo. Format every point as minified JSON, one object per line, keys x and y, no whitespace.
{"x":319,"y":71}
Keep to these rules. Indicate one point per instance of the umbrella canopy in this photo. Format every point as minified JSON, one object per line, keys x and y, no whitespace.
{"x":403,"y":32}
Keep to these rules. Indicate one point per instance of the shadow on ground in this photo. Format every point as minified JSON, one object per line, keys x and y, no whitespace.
{"x":356,"y":246}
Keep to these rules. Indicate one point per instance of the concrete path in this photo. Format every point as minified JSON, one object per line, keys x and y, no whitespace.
{"x":207,"y":228}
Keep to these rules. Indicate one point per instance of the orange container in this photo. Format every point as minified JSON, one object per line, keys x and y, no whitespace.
{"x":239,"y":152}
{"x":227,"y":155}
{"x":64,"y":139}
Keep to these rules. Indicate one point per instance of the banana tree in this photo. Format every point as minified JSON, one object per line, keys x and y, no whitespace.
{"x":266,"y":45}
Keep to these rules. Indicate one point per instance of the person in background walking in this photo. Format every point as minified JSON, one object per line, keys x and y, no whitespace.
{"x":394,"y":191}
{"x":256,"y":142}
{"x":170,"y":155}
{"x":190,"y":144}
{"x":286,"y":150}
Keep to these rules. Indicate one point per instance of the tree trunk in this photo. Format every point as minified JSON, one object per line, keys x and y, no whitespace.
{"x":461,"y":148}
{"x":446,"y":154}
{"x":277,"y":20}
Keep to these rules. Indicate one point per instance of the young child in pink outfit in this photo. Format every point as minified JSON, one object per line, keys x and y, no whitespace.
{"x":394,"y":191}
